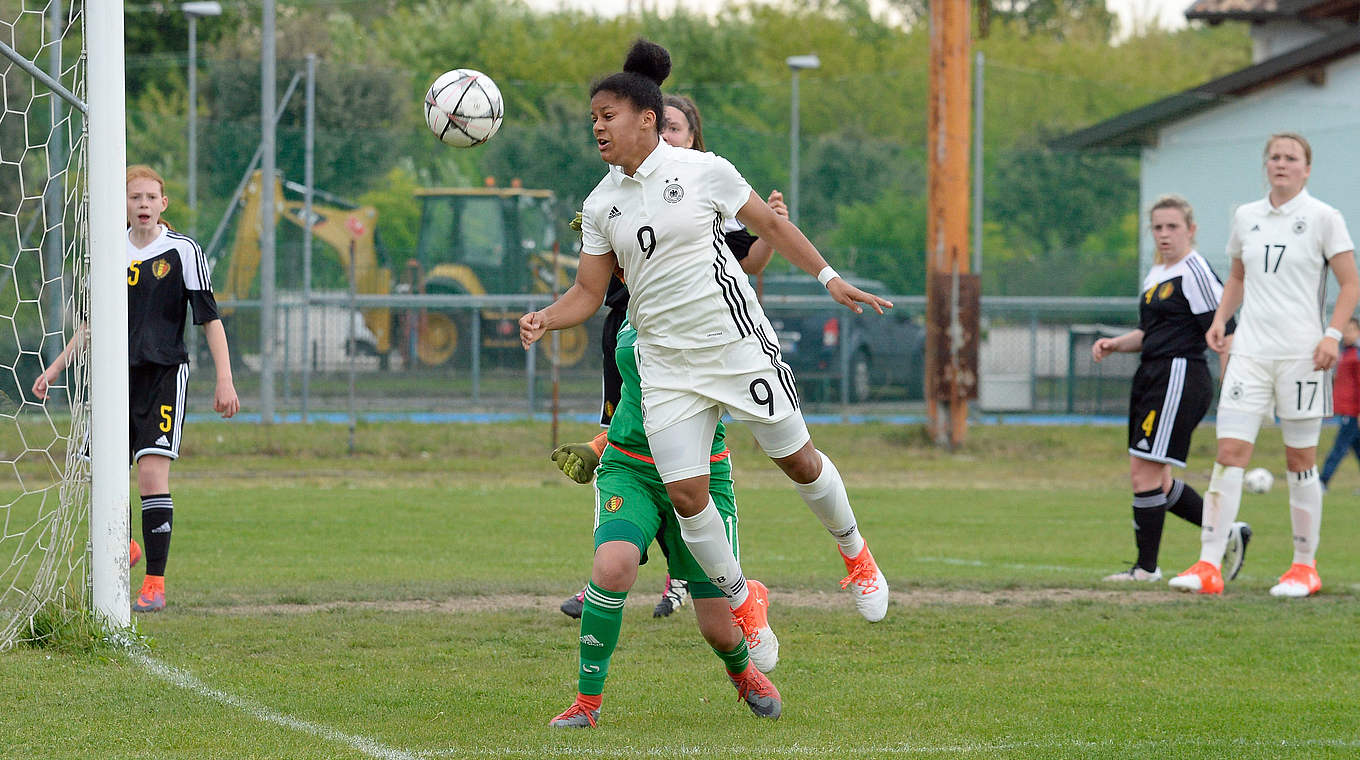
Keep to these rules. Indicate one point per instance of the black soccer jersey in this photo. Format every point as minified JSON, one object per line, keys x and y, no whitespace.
{"x":1176,"y":308}
{"x":165,"y":279}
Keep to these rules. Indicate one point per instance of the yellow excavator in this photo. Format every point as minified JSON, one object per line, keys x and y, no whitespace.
{"x":473,"y":241}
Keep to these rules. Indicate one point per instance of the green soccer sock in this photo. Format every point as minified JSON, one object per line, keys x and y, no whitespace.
{"x":601,"y":619}
{"x":735,"y":661}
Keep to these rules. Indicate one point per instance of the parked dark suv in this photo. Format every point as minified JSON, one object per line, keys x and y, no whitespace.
{"x":823,"y":341}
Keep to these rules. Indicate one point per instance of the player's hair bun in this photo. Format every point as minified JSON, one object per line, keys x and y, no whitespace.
{"x":648,"y":59}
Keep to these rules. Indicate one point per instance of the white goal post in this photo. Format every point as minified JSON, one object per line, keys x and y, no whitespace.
{"x":64,"y":523}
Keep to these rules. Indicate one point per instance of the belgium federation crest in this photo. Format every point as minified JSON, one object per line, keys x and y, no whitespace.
{"x":1165,"y":291}
{"x":160,"y":269}
{"x":613,"y":504}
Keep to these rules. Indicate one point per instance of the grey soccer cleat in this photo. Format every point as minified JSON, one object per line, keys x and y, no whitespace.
{"x":755,"y":688}
{"x":576,"y":716}
{"x":1239,"y":535}
{"x":574,"y":605}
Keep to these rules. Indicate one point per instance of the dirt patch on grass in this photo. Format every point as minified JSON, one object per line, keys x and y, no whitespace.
{"x":816,"y":600}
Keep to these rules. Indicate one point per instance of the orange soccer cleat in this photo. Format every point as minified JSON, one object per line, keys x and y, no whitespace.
{"x":1202,"y":578}
{"x":752,"y":617}
{"x":152,"y":596}
{"x":868,"y":585}
{"x":1300,"y":581}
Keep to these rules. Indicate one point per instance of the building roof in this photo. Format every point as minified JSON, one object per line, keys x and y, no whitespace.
{"x":1215,"y":11}
{"x":1141,"y":125}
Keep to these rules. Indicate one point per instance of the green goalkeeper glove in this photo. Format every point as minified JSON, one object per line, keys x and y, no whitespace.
{"x":577,"y":461}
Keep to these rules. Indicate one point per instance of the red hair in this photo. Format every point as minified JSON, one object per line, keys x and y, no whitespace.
{"x":142,"y":171}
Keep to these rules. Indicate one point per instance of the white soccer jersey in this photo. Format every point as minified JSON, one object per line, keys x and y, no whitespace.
{"x":1284,"y":252}
{"x":666,"y":226}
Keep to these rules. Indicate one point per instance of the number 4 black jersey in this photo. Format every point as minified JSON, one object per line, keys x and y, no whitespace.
{"x":165,"y":279}
{"x":1176,"y":308}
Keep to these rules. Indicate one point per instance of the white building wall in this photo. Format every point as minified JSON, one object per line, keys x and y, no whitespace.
{"x":1281,"y":36}
{"x":1214,"y":158}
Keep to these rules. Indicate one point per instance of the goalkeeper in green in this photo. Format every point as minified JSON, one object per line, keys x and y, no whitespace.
{"x":631,"y":511}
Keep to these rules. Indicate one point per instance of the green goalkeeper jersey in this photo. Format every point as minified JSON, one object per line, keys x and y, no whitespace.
{"x":625,"y":429}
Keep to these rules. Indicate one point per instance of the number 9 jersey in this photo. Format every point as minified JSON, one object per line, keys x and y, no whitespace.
{"x":1284,"y":253}
{"x":665,"y":224}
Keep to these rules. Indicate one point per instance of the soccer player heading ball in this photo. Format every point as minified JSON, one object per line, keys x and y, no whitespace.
{"x":704,"y":345}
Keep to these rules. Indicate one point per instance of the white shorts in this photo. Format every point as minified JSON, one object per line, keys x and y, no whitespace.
{"x":682,"y":450}
{"x":1257,"y":390}
{"x":684,"y":391}
{"x":746,"y":379}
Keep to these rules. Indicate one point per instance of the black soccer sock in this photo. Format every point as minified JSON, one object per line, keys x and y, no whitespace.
{"x":1185,"y":502}
{"x":1149,"y":514}
{"x":158,"y":513}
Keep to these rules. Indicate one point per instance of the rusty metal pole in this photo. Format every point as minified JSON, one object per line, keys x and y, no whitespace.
{"x":952,"y":292}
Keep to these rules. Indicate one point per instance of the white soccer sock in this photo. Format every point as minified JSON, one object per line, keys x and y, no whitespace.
{"x":827,"y":499}
{"x":1221,"y":503}
{"x":1305,"y":514}
{"x":707,"y":541}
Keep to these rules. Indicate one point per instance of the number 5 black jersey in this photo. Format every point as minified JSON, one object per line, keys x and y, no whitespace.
{"x":165,"y":279}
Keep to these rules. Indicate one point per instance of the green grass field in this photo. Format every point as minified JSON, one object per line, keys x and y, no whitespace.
{"x":402,"y":603}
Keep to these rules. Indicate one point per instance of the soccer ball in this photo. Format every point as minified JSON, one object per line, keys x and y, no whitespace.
{"x":464,"y":108}
{"x":1258,"y":480}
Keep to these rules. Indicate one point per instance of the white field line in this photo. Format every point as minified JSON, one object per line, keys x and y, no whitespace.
{"x":187,"y":680}
{"x":796,"y":750}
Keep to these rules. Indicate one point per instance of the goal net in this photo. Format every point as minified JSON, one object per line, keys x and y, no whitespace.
{"x":44,"y":298}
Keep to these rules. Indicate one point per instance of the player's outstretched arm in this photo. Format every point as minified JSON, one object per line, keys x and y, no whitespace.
{"x":225,"y":401}
{"x":576,"y":305}
{"x":793,"y":245}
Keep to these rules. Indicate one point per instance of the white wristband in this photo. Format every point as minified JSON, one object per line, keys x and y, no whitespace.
{"x":1333,"y":333}
{"x":826,"y":275}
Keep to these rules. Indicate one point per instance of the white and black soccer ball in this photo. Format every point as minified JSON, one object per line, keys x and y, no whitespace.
{"x":464,"y":108}
{"x":1258,"y":480}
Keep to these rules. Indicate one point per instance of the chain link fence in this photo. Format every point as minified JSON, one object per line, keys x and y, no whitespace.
{"x":1034,"y":359}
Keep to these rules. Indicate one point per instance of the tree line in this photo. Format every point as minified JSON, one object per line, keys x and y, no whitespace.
{"x":1053,"y":223}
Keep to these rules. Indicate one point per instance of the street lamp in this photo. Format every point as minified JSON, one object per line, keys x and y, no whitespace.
{"x":193,"y":11}
{"x":796,"y":64}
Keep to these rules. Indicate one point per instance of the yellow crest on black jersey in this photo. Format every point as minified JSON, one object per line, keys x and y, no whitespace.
{"x":160,"y":269}
{"x":614,"y":504}
{"x":1165,"y":291}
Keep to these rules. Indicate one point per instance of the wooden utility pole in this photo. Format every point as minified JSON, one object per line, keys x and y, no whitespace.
{"x":952,"y":292}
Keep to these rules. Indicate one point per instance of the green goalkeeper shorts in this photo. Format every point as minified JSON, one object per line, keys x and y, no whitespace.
{"x":631,"y":505}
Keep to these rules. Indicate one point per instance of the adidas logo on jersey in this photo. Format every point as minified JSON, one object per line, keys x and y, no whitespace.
{"x":590,"y":641}
{"x":1143,"y":444}
{"x":614,"y":211}
{"x":162,"y":441}
{"x":1256,"y":228}
{"x":162,"y":528}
